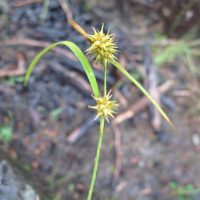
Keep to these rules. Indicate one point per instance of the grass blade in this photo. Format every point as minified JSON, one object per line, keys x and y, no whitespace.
{"x":142,"y":89}
{"x":80,"y":56}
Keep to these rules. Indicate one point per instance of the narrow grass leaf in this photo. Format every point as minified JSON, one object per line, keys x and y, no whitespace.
{"x":142,"y":89}
{"x":80,"y":56}
{"x":190,"y":61}
{"x":169,"y":53}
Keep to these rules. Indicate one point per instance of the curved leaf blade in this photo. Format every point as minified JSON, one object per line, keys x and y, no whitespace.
{"x":142,"y":89}
{"x":80,"y":56}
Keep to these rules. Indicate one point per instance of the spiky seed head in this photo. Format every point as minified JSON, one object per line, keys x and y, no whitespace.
{"x":102,"y":46}
{"x":104,"y":106}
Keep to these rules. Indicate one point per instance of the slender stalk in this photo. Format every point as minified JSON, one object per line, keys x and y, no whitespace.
{"x":105,"y":80}
{"x":78,"y":28}
{"x":96,"y":161}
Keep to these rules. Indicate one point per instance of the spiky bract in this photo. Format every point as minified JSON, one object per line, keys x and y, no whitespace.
{"x":104,"y":106}
{"x":102,"y":46}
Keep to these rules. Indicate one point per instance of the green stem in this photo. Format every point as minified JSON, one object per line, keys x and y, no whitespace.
{"x":105,"y":80}
{"x":96,"y":161}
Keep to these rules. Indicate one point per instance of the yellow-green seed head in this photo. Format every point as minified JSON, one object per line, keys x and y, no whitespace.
{"x":104,"y":106}
{"x":102,"y":46}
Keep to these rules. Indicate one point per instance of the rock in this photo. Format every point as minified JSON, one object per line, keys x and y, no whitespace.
{"x":12,"y":185}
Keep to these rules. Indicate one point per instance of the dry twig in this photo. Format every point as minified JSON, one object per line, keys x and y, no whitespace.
{"x":118,"y":150}
{"x":21,"y":3}
{"x":66,"y":9}
{"x":80,"y":131}
{"x":151,"y":83}
{"x":36,"y":43}
{"x":20,"y":68}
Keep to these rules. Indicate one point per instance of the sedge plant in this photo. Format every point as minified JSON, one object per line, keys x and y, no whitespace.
{"x":103,"y":48}
{"x":186,"y":49}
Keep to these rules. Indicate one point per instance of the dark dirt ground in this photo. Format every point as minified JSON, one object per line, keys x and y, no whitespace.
{"x":45,"y":113}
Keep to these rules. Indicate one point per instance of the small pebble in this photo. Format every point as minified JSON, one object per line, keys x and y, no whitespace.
{"x":195,"y":139}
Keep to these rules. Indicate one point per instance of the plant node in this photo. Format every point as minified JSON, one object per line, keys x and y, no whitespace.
{"x":102,"y":46}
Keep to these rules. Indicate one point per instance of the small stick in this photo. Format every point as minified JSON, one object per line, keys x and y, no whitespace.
{"x":66,"y":9}
{"x":36,"y":43}
{"x":24,"y":3}
{"x":70,"y":20}
{"x":151,"y":83}
{"x":20,"y":70}
{"x":118,"y":150}
{"x":81,"y":130}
